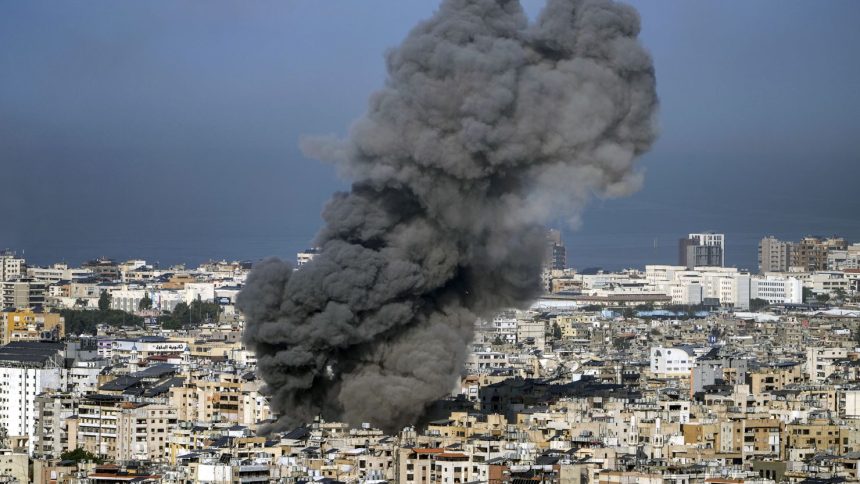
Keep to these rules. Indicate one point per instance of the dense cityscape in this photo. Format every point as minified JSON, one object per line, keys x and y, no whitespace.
{"x":342,"y":242}
{"x":695,"y":372}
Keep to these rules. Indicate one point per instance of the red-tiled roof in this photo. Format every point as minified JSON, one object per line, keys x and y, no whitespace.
{"x":427,"y":450}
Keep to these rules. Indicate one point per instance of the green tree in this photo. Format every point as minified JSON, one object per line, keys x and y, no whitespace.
{"x":145,"y":303}
{"x":104,"y":301}
{"x":168,"y":323}
{"x":822,"y":298}
{"x":757,"y":304}
{"x":178,"y":318}
{"x":807,"y":294}
{"x":79,"y":455}
{"x":840,"y":294}
{"x":193,"y":314}
{"x":556,"y":331}
{"x":82,"y":321}
{"x":204,"y":312}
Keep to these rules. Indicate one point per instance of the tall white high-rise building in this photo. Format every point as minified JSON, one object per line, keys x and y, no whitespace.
{"x":11,"y":266}
{"x":710,"y":239}
{"x":702,"y":250}
{"x":27,"y":368}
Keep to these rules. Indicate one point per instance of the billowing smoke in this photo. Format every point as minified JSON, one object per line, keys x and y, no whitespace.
{"x":487,"y":126}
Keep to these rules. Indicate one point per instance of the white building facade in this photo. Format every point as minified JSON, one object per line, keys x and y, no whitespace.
{"x":777,"y":289}
{"x":26,"y":370}
{"x":692,"y":286}
{"x":713,"y":240}
{"x":671,"y":361}
{"x":11,"y":266}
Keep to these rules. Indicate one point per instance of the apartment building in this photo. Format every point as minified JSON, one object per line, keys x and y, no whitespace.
{"x":56,"y":273}
{"x":11,"y":266}
{"x":22,"y":293}
{"x":828,"y":282}
{"x":423,"y":465}
{"x":730,"y":286}
{"x":142,"y":432}
{"x":222,"y":397}
{"x":53,"y":410}
{"x":26,"y":370}
{"x":810,"y":253}
{"x":840,"y":260}
{"x":702,"y":249}
{"x":14,"y":466}
{"x":802,"y":440}
{"x":95,"y":428}
{"x":775,"y":377}
{"x":30,"y":325}
{"x":774,"y":255}
{"x":821,"y":362}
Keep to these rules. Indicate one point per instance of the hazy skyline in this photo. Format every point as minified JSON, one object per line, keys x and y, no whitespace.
{"x":150,"y":129}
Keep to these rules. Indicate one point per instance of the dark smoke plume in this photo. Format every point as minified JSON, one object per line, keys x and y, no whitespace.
{"x":487,"y":126}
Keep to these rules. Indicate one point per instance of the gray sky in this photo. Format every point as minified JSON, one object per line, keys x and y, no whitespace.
{"x":169,"y":130}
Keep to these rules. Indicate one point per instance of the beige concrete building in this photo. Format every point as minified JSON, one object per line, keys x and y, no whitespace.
{"x":123,"y":431}
{"x":95,"y":428}
{"x":53,"y":411}
{"x":820,"y":362}
{"x":142,"y":432}
{"x":15,"y":466}
{"x":223,"y":397}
